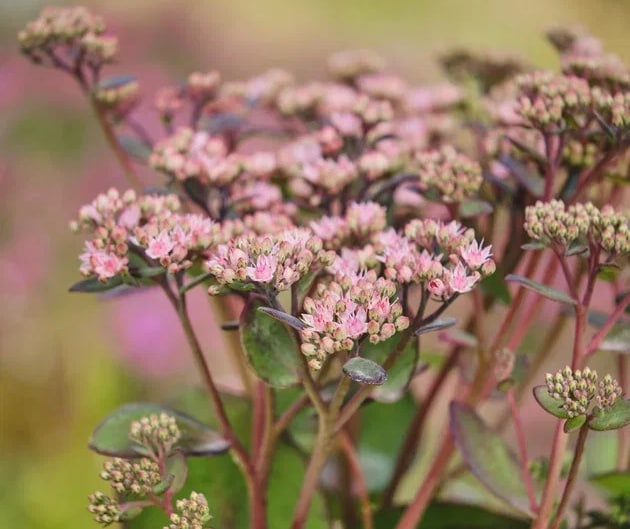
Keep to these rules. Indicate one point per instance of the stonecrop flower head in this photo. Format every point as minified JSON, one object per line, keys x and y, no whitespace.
{"x":65,"y":35}
{"x":274,"y":261}
{"x":192,"y":513}
{"x":452,"y":175}
{"x":553,"y":223}
{"x":157,"y":434}
{"x":579,"y":389}
{"x":132,"y":477}
{"x":551,"y":102}
{"x":106,"y":510}
{"x":113,"y":219}
{"x":347,"y":310}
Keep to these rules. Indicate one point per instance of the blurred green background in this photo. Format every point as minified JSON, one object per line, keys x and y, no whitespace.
{"x":66,"y":360}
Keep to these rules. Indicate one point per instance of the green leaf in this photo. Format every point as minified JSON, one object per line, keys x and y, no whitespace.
{"x":92,"y":285}
{"x":400,"y":374}
{"x":473,"y":208}
{"x":380,"y":438}
{"x":488,"y":457}
{"x":543,"y":290}
{"x":364,"y":371}
{"x":284,"y":317}
{"x":198,"y":280}
{"x":111,"y":437}
{"x":496,"y":286}
{"x":574,"y":423}
{"x":129,"y":513}
{"x":149,"y":271}
{"x":134,"y":147}
{"x":614,"y":483}
{"x":617,"y":417}
{"x":271,"y":348}
{"x":449,"y":515}
{"x":548,"y":403}
{"x":437,"y":325}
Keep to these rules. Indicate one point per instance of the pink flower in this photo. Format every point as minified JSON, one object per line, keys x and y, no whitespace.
{"x":436,"y":287}
{"x":107,"y":265}
{"x":354,"y":323}
{"x":475,"y":255}
{"x":160,"y":246}
{"x":264,"y":269}
{"x":458,"y":279}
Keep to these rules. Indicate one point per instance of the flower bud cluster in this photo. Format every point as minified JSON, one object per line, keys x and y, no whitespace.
{"x":550,"y":102}
{"x":262,"y":89}
{"x":157,"y":433}
{"x":201,"y":87}
{"x":453,"y":176}
{"x":347,"y":310}
{"x":192,"y":513}
{"x":106,"y":510}
{"x":118,"y":99}
{"x":350,"y":64}
{"x":551,"y":223}
{"x":451,"y":260}
{"x":578,"y":389}
{"x":71,"y":31}
{"x":175,"y":239}
{"x":276,"y":261}
{"x":361,"y":221}
{"x":188,"y":154}
{"x":131,"y":477}
{"x":112,"y":219}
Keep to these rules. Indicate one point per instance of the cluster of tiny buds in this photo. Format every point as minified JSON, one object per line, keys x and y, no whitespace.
{"x":203,"y":86}
{"x":132,"y":477}
{"x":278,"y":260}
{"x":192,"y":513}
{"x":105,"y":509}
{"x":75,"y":29}
{"x":547,"y":100}
{"x":346,"y":310}
{"x":551,"y":222}
{"x":157,"y":433}
{"x":117,"y":99}
{"x":350,"y":64}
{"x":453,"y":175}
{"x":577,"y":389}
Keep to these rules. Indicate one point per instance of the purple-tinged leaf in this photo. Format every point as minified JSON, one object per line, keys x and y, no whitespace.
{"x":616,"y":417}
{"x":545,"y":291}
{"x":284,"y":317}
{"x":91,"y":285}
{"x":134,"y":147}
{"x":364,"y":371}
{"x":437,"y":325}
{"x":488,"y":457}
{"x":270,"y":347}
{"x":111,"y":437}
{"x":534,"y":245}
{"x":548,"y":403}
{"x":116,"y":81}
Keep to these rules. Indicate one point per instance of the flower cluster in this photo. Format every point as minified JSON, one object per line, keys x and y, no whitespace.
{"x":192,"y":513}
{"x":172,"y":240}
{"x":106,"y":510}
{"x":550,"y":102}
{"x":187,"y":154}
{"x":112,"y":218}
{"x":553,"y":223}
{"x":347,"y":310}
{"x":277,"y":261}
{"x":453,"y":176}
{"x":131,"y":477}
{"x":62,"y":33}
{"x":578,"y":389}
{"x":158,"y":434}
{"x":117,"y":97}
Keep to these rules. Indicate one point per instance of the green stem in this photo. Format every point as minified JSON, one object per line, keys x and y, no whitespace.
{"x":320,"y":454}
{"x":572,"y":478}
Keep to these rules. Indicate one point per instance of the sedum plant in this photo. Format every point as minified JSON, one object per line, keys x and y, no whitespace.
{"x":332,"y":247}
